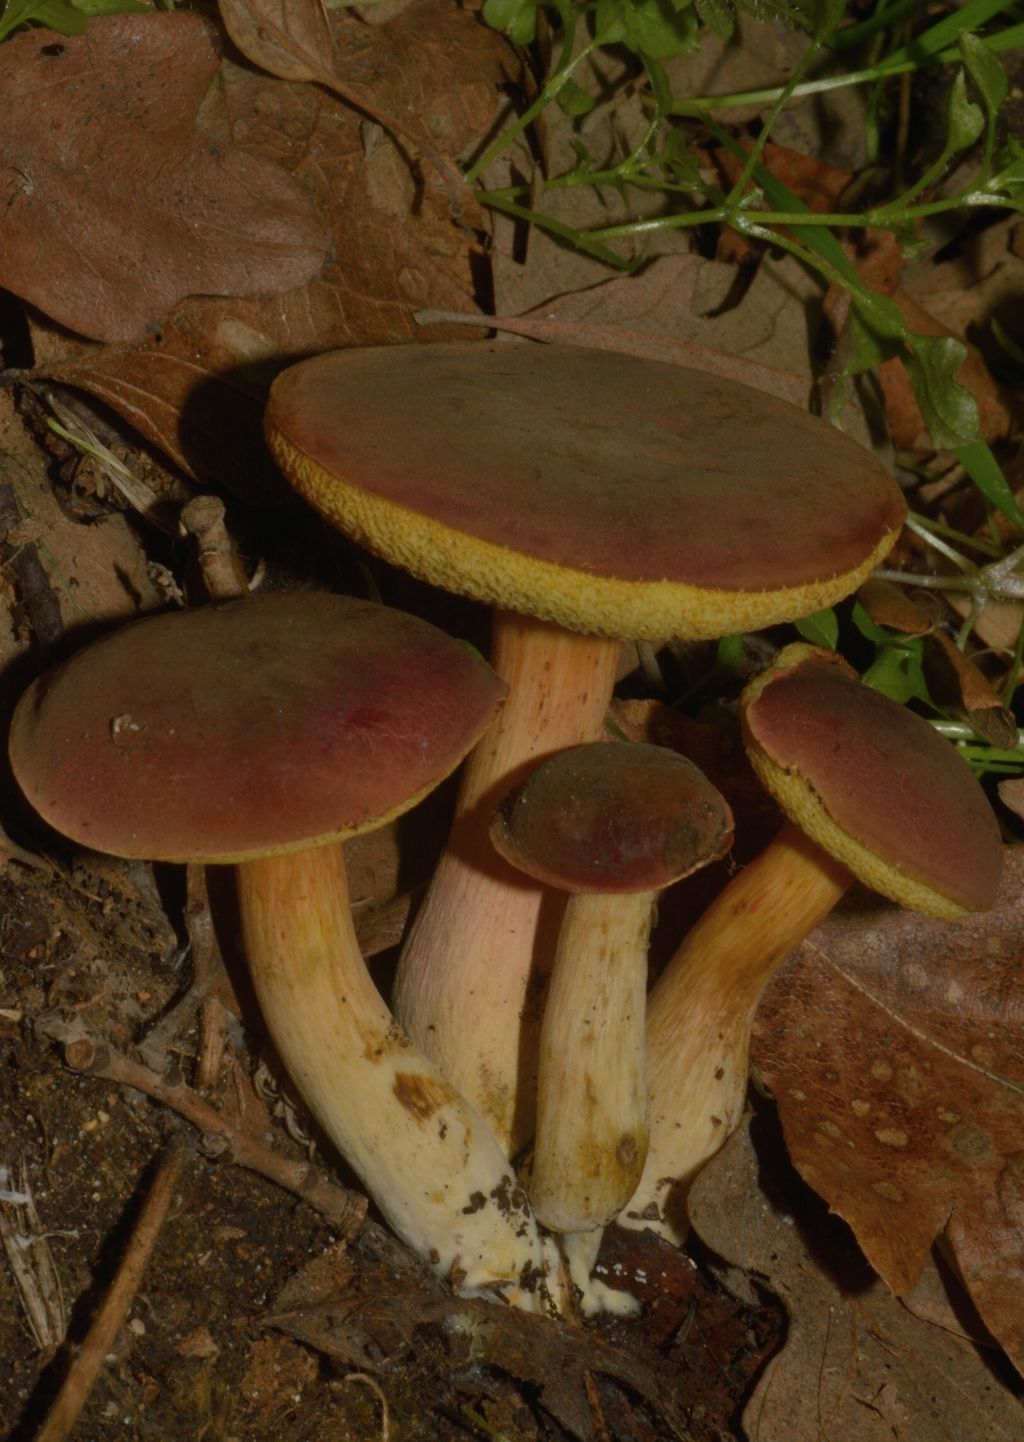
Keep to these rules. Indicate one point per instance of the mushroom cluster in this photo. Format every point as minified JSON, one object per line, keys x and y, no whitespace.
{"x":261,"y":733}
{"x":589,"y":497}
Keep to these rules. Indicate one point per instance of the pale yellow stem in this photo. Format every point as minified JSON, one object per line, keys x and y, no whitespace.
{"x":701,"y":1012}
{"x":425,"y":1156}
{"x":591,"y":1087}
{"x":475,"y":962}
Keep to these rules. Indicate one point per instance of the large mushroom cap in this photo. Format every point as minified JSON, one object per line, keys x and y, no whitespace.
{"x":613,"y":495}
{"x":613,"y":818}
{"x":243,"y":729}
{"x":873,"y":784}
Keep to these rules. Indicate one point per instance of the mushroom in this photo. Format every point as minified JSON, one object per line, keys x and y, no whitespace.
{"x":590,"y":497}
{"x":872,"y":793}
{"x":261,"y":732}
{"x":612,"y":825}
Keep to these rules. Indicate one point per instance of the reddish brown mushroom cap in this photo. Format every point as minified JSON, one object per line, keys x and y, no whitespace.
{"x":614,"y":495}
{"x":243,"y":729}
{"x":822,"y":741}
{"x":613,"y":818}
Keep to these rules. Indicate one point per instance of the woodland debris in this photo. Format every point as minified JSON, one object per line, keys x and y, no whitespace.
{"x":81,"y":1377}
{"x":342,"y":1209}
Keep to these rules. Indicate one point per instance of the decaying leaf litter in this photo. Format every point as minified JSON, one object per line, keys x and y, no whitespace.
{"x":154,"y":370}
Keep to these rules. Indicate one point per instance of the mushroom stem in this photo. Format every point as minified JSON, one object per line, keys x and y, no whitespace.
{"x":474,"y":964}
{"x":591,"y":1087}
{"x":425,"y":1156}
{"x":701,"y":1011}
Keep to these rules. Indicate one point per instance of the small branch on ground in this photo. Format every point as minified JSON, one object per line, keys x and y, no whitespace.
{"x":207,"y":972}
{"x":78,"y":1383}
{"x":344,"y":1210}
{"x":222,"y":570}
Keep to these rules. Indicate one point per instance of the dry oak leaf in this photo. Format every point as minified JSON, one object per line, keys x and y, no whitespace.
{"x":856,"y":1366}
{"x":894,"y":1046}
{"x":196,"y":390}
{"x":377,"y":1318}
{"x":113,"y":205}
{"x":292,"y":39}
{"x":567,"y":320}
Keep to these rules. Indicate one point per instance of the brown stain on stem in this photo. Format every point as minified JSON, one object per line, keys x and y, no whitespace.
{"x":421,"y":1095}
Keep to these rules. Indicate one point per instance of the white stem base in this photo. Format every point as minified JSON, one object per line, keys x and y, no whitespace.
{"x":594,"y":1298}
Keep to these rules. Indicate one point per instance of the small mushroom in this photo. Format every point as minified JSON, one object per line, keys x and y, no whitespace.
{"x":612,"y":825}
{"x":262,"y":732}
{"x":872,"y":793}
{"x":591,"y":497}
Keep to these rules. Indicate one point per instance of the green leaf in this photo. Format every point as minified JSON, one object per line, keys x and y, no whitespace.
{"x":657,"y":28}
{"x":516,"y":18}
{"x":827,"y":15}
{"x":949,"y":409}
{"x":574,"y":100}
{"x":868,"y":628}
{"x":887,"y":675}
{"x":990,"y":79}
{"x":987,"y":474}
{"x":867,"y":349}
{"x":896,"y":672}
{"x":67,"y":17}
{"x":661,"y":86}
{"x":1009,"y":176}
{"x":729,"y":654}
{"x":945,"y":31}
{"x":798,"y":14}
{"x":58,"y":15}
{"x":820,"y":629}
{"x":718,"y":16}
{"x":964,"y":120}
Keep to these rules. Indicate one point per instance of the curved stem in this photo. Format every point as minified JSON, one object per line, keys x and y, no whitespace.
{"x":424,"y":1154}
{"x":701,"y":1011}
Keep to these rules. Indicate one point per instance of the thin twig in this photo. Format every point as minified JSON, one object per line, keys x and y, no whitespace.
{"x":204,"y":518}
{"x":28,"y":1254}
{"x":207,"y":971}
{"x":84,"y":1053}
{"x":99,"y":1339}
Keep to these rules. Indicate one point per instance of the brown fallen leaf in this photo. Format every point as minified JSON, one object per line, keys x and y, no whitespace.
{"x":1011,"y":794}
{"x":293,"y":39}
{"x":894,"y":1046}
{"x":957,"y":684}
{"x":549,"y":328}
{"x":995,"y":411}
{"x":979,"y":283}
{"x":677,"y":310}
{"x":890,"y":605}
{"x":196,"y":389}
{"x":114,"y":205}
{"x":377,"y":1316}
{"x":289,"y":38}
{"x":856,"y":1366}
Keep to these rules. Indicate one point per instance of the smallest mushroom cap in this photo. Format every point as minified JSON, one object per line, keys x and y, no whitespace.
{"x":613,"y":818}
{"x":872,"y":783}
